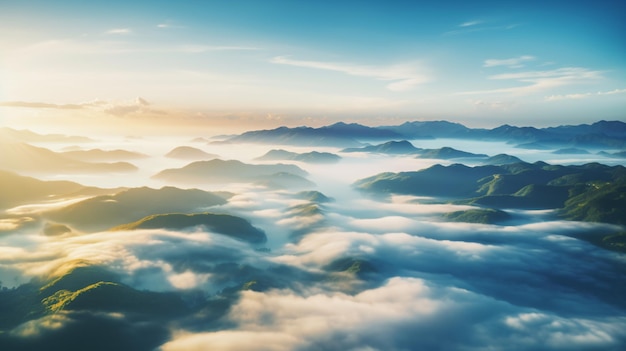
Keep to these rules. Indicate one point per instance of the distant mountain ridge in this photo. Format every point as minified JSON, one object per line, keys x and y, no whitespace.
{"x":393,"y":147}
{"x":601,"y":134}
{"x":338,"y":134}
{"x":29,"y":136}
{"x":217,"y":170}
{"x":308,"y":157}
{"x":22,"y":157}
{"x":190,"y":153}
{"x":449,"y":153}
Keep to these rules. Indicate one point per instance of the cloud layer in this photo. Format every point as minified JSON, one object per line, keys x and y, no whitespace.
{"x":356,"y":273}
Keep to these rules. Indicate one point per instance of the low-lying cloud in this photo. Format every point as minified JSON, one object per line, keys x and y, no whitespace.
{"x":356,"y":273}
{"x":404,"y":313}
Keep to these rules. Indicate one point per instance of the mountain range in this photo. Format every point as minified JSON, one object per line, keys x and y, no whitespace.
{"x":308,"y":157}
{"x":591,"y":192}
{"x":602,"y":134}
{"x":28,"y":136}
{"x":23,"y":157}
{"x":339,"y":134}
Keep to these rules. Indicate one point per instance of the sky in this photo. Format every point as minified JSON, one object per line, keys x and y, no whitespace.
{"x":254,"y":64}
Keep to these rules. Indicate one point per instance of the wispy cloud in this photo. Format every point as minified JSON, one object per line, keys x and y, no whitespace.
{"x":579,"y":96}
{"x":46,"y":105}
{"x":565,"y":73}
{"x":119,"y":109}
{"x":28,"y":104}
{"x":166,"y":25}
{"x":536,"y":81}
{"x":137,"y":107}
{"x":478,"y":26}
{"x":514,"y":62}
{"x":404,"y":76}
{"x":119,"y":31}
{"x":492,"y":105}
{"x":199,"y":48}
{"x":109,"y":47}
{"x":470,"y":23}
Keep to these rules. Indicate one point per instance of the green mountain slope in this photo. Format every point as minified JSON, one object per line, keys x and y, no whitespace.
{"x":19,"y":190}
{"x":106,"y":211}
{"x":502,"y":159}
{"x":485,"y":216}
{"x":313,"y":196}
{"x":220,"y":171}
{"x":115,"y":297}
{"x":283,"y":180}
{"x":591,"y":192}
{"x":456,"y":180}
{"x":447,"y":153}
{"x":232,"y":226}
{"x":601,"y":202}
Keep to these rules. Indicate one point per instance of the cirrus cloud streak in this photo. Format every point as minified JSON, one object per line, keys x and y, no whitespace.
{"x":403,"y":76}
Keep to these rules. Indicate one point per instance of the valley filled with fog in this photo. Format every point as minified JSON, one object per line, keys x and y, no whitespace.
{"x":344,"y":238}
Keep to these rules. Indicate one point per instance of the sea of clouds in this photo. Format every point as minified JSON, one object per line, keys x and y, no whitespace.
{"x":429,"y":284}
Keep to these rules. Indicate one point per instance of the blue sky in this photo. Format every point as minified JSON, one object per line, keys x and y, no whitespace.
{"x":294,"y":62}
